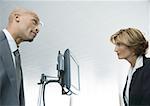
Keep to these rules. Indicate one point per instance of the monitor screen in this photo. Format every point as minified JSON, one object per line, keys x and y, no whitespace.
{"x":71,"y":73}
{"x":74,"y":73}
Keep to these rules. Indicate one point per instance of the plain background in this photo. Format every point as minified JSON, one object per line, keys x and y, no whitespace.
{"x":85,"y":28}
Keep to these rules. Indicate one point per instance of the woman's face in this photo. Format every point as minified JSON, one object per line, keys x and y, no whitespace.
{"x":123,"y":51}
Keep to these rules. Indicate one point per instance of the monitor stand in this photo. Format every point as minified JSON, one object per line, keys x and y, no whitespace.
{"x":43,"y":82}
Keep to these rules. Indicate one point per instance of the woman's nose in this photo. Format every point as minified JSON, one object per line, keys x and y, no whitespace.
{"x":116,"y":49}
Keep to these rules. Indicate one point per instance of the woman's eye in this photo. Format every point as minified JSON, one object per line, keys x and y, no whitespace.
{"x":118,"y":44}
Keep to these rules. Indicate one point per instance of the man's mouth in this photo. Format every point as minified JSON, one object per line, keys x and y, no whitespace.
{"x":34,"y":33}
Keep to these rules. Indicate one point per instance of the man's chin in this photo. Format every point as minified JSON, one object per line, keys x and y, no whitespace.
{"x":28,"y":40}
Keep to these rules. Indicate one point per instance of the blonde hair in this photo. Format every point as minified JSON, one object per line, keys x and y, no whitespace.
{"x":133,"y":38}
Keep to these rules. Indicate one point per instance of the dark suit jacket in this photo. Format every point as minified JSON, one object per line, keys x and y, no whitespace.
{"x":8,"y":85}
{"x":139,"y":91}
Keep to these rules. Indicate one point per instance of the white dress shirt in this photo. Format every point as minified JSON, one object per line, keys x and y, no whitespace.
{"x":12,"y":43}
{"x":138,"y":64}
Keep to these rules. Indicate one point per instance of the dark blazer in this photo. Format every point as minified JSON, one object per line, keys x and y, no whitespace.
{"x":139,"y":91}
{"x":9,"y":95}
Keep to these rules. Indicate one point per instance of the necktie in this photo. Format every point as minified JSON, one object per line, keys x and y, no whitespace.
{"x":18,"y":69}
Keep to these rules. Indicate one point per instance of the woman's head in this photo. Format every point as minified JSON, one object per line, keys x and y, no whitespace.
{"x":132,"y":38}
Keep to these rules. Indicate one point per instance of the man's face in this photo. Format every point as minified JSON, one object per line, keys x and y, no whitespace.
{"x":28,"y":26}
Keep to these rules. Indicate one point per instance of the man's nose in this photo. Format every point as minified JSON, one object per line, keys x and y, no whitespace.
{"x":37,"y":29}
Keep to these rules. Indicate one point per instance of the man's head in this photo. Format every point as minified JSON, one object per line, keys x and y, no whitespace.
{"x":23,"y":25}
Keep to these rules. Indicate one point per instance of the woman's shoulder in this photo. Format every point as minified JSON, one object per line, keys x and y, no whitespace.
{"x":146,"y":62}
{"x":146,"y":59}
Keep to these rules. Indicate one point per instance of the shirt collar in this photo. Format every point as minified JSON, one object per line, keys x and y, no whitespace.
{"x":11,"y":41}
{"x":139,"y":62}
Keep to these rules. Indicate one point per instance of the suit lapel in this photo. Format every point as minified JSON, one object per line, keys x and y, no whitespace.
{"x":8,"y":61}
{"x":124,"y":90}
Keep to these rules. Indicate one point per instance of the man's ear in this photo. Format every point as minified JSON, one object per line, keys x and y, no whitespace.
{"x":17,"y":18}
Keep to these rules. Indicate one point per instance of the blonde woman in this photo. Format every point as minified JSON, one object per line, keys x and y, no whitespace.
{"x":131,"y":45}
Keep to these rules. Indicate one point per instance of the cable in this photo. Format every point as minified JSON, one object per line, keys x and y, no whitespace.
{"x":44,"y":82}
{"x":44,"y":86}
{"x":43,"y":95}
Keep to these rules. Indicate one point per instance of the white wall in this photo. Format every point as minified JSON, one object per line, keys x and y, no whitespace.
{"x":85,"y":28}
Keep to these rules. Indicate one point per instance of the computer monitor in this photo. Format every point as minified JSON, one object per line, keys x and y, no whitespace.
{"x":69,"y":73}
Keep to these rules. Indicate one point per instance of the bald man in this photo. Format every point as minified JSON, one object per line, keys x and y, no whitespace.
{"x":23,"y":25}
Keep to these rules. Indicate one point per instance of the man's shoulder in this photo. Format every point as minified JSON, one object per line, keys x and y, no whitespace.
{"x":2,"y":35}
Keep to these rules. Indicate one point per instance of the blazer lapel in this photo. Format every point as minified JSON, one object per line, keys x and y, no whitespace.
{"x":134,"y":77}
{"x":124,"y":90}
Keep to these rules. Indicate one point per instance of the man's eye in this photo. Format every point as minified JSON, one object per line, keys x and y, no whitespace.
{"x":34,"y":22}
